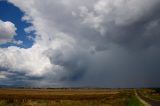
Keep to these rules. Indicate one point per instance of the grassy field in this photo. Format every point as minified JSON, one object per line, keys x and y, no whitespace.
{"x":68,"y":97}
{"x":133,"y":101}
{"x":152,"y":93}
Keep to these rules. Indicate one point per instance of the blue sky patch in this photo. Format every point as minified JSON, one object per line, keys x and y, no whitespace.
{"x":9,"y":12}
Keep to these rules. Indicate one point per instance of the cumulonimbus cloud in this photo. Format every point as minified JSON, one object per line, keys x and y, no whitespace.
{"x":92,"y":42}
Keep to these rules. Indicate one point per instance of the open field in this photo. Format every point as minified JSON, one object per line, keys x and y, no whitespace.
{"x":152,"y":93}
{"x":68,"y":97}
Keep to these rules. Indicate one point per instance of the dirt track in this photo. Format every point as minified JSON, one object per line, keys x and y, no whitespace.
{"x":149,"y":100}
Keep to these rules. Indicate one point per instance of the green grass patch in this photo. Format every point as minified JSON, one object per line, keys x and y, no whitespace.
{"x":156,"y":97}
{"x":134,"y":101}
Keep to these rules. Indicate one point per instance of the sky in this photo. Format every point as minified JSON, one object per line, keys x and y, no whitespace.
{"x":13,"y":15}
{"x":75,"y":43}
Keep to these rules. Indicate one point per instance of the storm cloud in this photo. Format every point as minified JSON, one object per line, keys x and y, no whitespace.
{"x":99,"y":43}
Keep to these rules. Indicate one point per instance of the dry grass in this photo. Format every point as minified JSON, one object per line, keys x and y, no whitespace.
{"x":65,"y":97}
{"x":151,"y":93}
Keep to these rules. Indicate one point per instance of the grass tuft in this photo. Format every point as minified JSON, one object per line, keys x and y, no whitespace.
{"x":134,"y":101}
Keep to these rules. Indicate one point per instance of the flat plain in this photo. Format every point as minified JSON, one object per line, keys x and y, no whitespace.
{"x":67,"y":97}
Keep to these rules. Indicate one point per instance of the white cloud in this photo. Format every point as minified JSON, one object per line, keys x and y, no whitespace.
{"x":2,"y":76}
{"x":24,"y":60}
{"x":7,"y":31}
{"x":17,"y":42}
{"x":29,"y":29}
{"x":30,"y":37}
{"x":35,"y":61}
